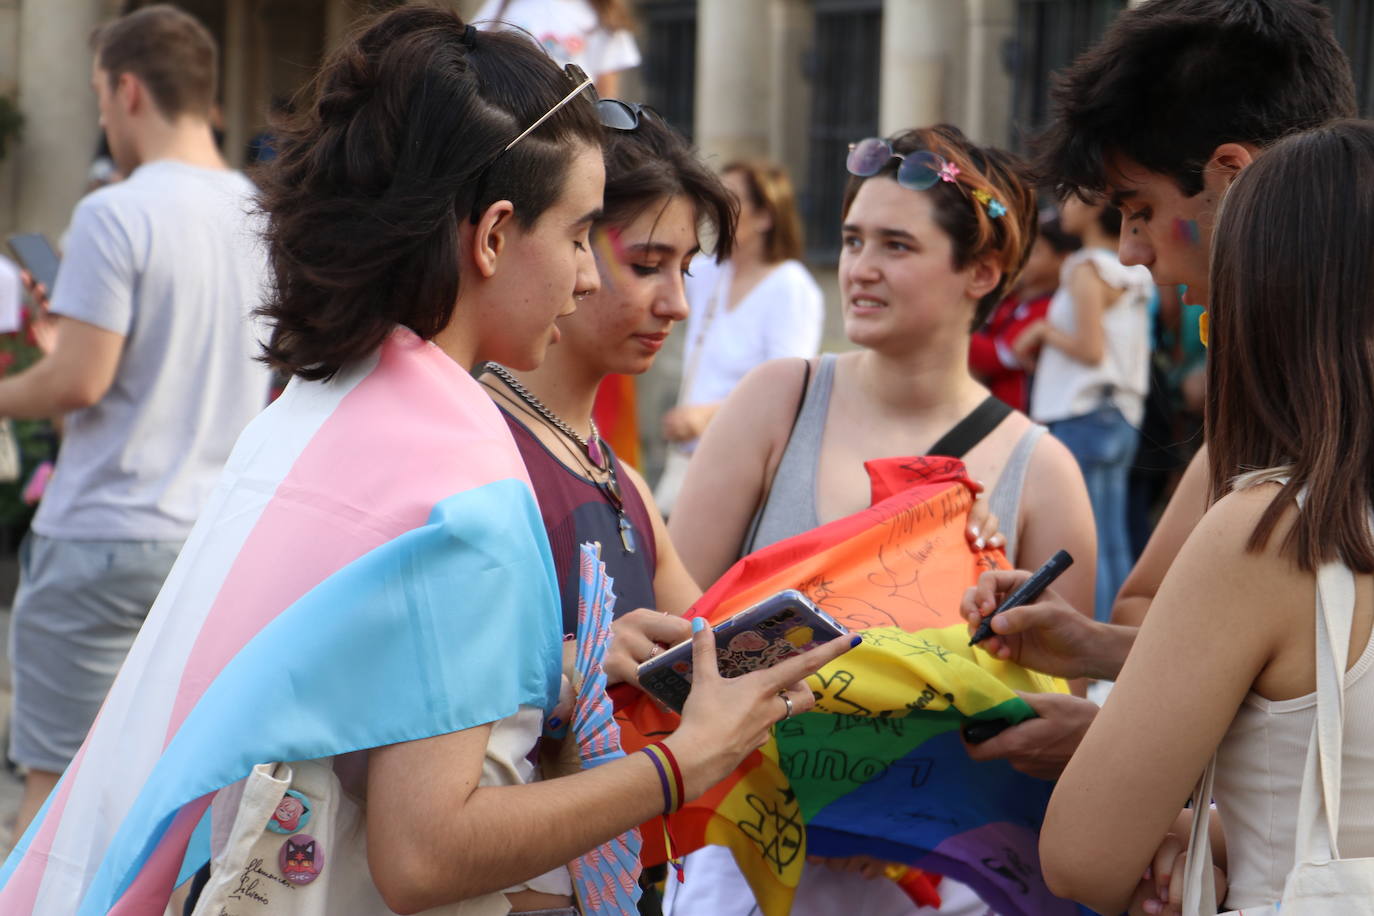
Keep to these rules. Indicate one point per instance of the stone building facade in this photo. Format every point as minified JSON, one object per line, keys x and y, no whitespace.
{"x":793,"y":80}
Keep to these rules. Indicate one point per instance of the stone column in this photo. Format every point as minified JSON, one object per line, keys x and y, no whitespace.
{"x":920,"y":84}
{"x":791,"y":24}
{"x":240,"y":106}
{"x":988,"y":97}
{"x":733,"y":104}
{"x":9,"y":84}
{"x":59,"y":106}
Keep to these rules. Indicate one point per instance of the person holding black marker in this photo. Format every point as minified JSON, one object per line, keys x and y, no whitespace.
{"x":935,"y":230}
{"x":1098,"y":144}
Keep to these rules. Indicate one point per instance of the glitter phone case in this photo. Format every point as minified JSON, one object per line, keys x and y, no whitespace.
{"x":779,"y":627}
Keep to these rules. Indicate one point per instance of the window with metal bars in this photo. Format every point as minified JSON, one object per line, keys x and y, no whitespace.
{"x":670,"y":60}
{"x":844,"y":71}
{"x":1354,"y":26}
{"x":1049,"y":35}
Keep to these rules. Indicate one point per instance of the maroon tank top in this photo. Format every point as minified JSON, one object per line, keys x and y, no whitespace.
{"x":576,"y":511}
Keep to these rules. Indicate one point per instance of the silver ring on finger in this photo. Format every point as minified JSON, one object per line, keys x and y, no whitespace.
{"x":787,"y":701}
{"x":655,"y":650}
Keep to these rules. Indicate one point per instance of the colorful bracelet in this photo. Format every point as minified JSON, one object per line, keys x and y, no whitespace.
{"x":677,"y":774}
{"x":664,"y":761}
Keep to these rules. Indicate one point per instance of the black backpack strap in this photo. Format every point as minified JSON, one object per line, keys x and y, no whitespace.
{"x":972,"y":429}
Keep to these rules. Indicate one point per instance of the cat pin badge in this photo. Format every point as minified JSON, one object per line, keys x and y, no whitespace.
{"x":301,"y":859}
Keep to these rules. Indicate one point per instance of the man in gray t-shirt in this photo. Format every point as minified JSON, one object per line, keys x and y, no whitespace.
{"x":154,"y":369}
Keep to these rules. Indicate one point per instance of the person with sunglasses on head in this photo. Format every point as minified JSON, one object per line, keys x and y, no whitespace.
{"x":1158,"y":118}
{"x":658,"y":197}
{"x":1237,"y":670}
{"x":371,"y":587}
{"x":935,"y":230}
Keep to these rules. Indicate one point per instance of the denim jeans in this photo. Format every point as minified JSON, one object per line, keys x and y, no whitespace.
{"x":1104,"y":443}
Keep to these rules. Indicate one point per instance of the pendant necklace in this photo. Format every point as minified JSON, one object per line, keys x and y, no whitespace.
{"x":595,"y":448}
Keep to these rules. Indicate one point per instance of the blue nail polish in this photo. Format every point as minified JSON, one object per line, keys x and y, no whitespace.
{"x":853,"y":643}
{"x":698,"y":624}
{"x":554,"y":723}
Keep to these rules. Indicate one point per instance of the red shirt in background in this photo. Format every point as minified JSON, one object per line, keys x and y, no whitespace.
{"x":990,"y":355}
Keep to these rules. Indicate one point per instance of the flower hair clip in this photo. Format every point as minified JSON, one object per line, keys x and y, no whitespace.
{"x":920,"y":170}
{"x":994,"y":207}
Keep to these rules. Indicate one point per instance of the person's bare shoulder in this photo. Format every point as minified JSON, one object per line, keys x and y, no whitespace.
{"x":1052,"y":469}
{"x":766,"y":399}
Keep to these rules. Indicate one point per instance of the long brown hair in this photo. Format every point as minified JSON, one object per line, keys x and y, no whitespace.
{"x":1290,"y":376}
{"x":770,"y":189}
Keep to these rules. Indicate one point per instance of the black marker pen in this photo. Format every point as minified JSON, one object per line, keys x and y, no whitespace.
{"x":1028,"y":592}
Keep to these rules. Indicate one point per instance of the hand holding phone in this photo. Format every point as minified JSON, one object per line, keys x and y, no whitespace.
{"x":779,"y":627}
{"x":38,"y":257}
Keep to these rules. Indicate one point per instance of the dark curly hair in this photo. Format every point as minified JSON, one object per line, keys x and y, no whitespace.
{"x":401,"y":142}
{"x":654,"y":162}
{"x":975,"y":234}
{"x":1172,"y":80}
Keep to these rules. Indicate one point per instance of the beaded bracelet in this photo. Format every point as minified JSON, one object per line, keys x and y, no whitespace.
{"x":664,"y":761}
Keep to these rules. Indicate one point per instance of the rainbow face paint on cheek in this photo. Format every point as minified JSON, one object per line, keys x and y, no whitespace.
{"x":1187,"y":231}
{"x":610,"y":255}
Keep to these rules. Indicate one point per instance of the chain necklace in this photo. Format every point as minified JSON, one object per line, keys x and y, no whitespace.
{"x":597,"y":454}
{"x":593,"y":447}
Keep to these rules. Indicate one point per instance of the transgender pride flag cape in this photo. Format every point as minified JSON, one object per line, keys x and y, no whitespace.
{"x":371,"y":569}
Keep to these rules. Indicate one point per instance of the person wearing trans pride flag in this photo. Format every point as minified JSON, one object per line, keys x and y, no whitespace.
{"x":370,"y":581}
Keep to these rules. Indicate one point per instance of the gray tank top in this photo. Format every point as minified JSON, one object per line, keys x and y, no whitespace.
{"x":791,"y":505}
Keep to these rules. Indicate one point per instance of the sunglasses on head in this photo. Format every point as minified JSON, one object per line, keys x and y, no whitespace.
{"x":581,"y":82}
{"x":618,"y":115}
{"x":613,"y":113}
{"x":919,"y":171}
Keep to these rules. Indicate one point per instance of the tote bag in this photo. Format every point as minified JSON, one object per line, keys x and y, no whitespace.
{"x":298,"y":847}
{"x":1321,"y":883}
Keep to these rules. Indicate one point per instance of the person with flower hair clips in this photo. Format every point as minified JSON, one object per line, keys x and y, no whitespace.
{"x":935,"y":230}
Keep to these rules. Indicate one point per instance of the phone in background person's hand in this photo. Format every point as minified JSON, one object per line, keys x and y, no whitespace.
{"x":36,"y":254}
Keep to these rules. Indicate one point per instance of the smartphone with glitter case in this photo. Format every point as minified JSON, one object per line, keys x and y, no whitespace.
{"x":779,"y":627}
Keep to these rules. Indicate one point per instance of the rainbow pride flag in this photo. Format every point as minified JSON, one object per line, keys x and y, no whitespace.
{"x":615,"y":413}
{"x":878,"y":767}
{"x":371,"y":539}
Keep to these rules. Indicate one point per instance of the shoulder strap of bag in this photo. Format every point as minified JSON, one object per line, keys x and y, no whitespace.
{"x":753,"y":531}
{"x":1199,"y":884}
{"x":972,"y":429}
{"x":1321,"y":783}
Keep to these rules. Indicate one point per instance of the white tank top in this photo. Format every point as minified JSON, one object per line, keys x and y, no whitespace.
{"x":1064,"y":387}
{"x":1259,"y":779}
